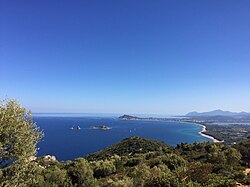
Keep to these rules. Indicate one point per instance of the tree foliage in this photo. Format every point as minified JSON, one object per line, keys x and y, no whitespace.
{"x":81,"y":173}
{"x":19,"y":136}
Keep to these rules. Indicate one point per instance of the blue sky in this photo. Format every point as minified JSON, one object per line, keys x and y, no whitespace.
{"x":133,"y":56}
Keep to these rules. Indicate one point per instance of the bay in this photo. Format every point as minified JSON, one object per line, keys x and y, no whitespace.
{"x":67,"y":144}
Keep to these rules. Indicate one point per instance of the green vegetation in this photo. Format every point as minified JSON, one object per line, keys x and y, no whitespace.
{"x":132,"y":145}
{"x":244,"y":148}
{"x":18,"y":139}
{"x":133,"y":162}
{"x":229,"y":133}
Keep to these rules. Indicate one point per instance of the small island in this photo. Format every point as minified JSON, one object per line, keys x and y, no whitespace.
{"x":102,"y":127}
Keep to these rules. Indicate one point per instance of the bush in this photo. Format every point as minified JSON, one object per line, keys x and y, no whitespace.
{"x":54,"y":176}
{"x":133,"y":162}
{"x":81,"y":173}
{"x":124,"y":182}
{"x":103,"y":168}
{"x":219,"y":181}
{"x":198,"y":172}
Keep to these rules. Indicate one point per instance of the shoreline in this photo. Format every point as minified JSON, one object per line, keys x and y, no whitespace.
{"x":204,"y":129}
{"x":201,"y":133}
{"x":207,"y":136}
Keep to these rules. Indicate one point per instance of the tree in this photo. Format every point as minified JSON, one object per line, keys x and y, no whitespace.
{"x":115,"y":182}
{"x":81,"y":173}
{"x":19,"y":136}
{"x":233,"y":157}
{"x":53,"y":176}
{"x":103,"y":168}
{"x":219,"y":181}
{"x":199,"y":172}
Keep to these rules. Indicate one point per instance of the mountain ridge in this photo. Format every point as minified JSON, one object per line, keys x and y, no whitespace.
{"x":217,"y":112}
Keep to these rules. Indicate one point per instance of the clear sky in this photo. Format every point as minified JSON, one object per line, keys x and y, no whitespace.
{"x":130,"y":56}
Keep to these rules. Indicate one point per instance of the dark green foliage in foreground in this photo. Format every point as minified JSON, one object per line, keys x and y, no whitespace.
{"x":194,"y":165}
{"x":80,"y":173}
{"x":185,"y":165}
{"x":244,"y":148}
{"x":133,"y":162}
{"x":213,"y":153}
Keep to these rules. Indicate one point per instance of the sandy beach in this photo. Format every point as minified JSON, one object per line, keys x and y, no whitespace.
{"x":205,"y":135}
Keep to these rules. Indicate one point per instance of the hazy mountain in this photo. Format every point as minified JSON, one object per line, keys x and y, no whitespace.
{"x":218,"y":113}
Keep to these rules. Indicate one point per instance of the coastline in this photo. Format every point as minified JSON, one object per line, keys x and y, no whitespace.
{"x":195,"y":123}
{"x":205,"y":135}
{"x":204,"y":129}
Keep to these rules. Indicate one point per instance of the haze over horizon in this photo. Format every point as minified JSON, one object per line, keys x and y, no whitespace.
{"x":201,"y":113}
{"x":127,"y":57}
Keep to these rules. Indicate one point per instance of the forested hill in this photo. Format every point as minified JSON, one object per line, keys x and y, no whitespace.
{"x":130,"y":146}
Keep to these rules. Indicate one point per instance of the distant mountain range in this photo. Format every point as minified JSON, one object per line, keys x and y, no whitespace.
{"x":217,"y":113}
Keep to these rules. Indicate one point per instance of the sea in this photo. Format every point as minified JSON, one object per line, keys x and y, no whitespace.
{"x":67,"y":144}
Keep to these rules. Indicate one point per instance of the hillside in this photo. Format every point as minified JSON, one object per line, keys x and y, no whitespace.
{"x":141,"y":162}
{"x":244,"y":148}
{"x":130,"y":146}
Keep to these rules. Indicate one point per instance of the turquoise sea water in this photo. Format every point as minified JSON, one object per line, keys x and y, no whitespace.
{"x":67,"y":144}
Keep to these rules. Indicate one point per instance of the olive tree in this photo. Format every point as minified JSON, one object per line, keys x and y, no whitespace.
{"x":19,"y":136}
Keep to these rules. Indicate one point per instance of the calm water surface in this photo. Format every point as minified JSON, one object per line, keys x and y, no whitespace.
{"x":68,"y":144}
